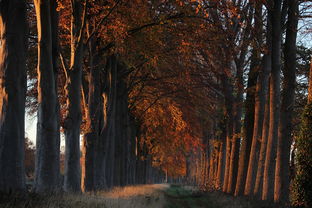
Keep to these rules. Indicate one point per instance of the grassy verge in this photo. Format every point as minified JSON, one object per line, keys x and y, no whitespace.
{"x":140,"y":196}
{"x":184,"y":197}
{"x":31,"y":200}
{"x":178,"y":196}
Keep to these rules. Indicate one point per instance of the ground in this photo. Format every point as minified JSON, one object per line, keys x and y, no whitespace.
{"x":140,"y":196}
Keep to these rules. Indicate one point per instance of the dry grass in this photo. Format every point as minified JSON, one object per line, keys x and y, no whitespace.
{"x":140,"y":196}
{"x":223,"y":200}
{"x":135,"y":196}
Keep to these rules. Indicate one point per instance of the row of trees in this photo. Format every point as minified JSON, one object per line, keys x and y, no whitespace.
{"x":203,"y":90}
{"x":249,"y":154}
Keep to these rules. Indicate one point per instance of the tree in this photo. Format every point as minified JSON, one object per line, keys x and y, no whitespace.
{"x":47,"y":144}
{"x":302,"y":192}
{"x":269,"y":166}
{"x":282,"y":176}
{"x":72,"y":121}
{"x":13,"y":48}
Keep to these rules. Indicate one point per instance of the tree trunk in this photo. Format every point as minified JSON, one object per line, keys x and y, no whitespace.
{"x":221,"y":166}
{"x":109,"y":126}
{"x":250,"y":104}
{"x":47,"y":144}
{"x":264,"y":140}
{"x":237,"y":130}
{"x":258,"y":123}
{"x":93,"y":121}
{"x":13,"y":48}
{"x":269,"y":166}
{"x":72,"y":179}
{"x":229,"y":129}
{"x":261,"y":123}
{"x":282,"y":178}
{"x":55,"y":56}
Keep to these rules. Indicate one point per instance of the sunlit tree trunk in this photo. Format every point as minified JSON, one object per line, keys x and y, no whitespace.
{"x":247,"y":132}
{"x":269,"y":166}
{"x":47,"y":144}
{"x":264,"y":140}
{"x":234,"y":158}
{"x":261,"y":124}
{"x":221,"y":161}
{"x":282,"y":178}
{"x":259,"y":116}
{"x":94,"y":109}
{"x":229,"y":129}
{"x":72,"y":178}
{"x":13,"y":46}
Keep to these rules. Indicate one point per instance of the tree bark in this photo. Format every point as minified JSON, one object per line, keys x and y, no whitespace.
{"x":282,"y":178}
{"x":13,"y":46}
{"x":237,"y":130}
{"x":93,"y":122}
{"x":264,"y":140}
{"x":47,"y":144}
{"x":72,"y":179}
{"x":229,"y":129}
{"x":258,"y":124}
{"x":269,"y":166}
{"x":108,"y":133}
{"x":250,"y":104}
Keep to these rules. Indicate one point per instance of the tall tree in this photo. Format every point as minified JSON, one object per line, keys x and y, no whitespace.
{"x":229,"y":129}
{"x":93,"y":111}
{"x":47,"y":144}
{"x":269,"y":166}
{"x":250,"y":102}
{"x":282,"y":178}
{"x":13,"y":48}
{"x":72,"y":121}
{"x":259,"y":122}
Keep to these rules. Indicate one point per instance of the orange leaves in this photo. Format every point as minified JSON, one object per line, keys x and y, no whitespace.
{"x":167,"y":135}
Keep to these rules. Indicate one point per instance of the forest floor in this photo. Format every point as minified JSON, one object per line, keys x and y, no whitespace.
{"x":141,"y":196}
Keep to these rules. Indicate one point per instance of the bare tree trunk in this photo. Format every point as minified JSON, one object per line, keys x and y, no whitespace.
{"x":258,"y":124}
{"x":237,"y":130}
{"x":264,"y":140}
{"x":221,"y":166}
{"x":47,"y":145}
{"x":247,"y":132}
{"x":93,"y":121}
{"x":282,"y":178}
{"x":269,"y":166}
{"x":55,"y":55}
{"x":109,"y":128}
{"x":72,"y":179}
{"x":249,"y":120}
{"x":229,"y":132}
{"x":13,"y":48}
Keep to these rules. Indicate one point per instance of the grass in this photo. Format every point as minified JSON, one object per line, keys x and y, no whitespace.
{"x":188,"y":197}
{"x":140,"y":196}
{"x":150,"y":196}
{"x":32,"y":200}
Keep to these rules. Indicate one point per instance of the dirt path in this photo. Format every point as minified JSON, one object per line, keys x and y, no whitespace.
{"x":142,"y":196}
